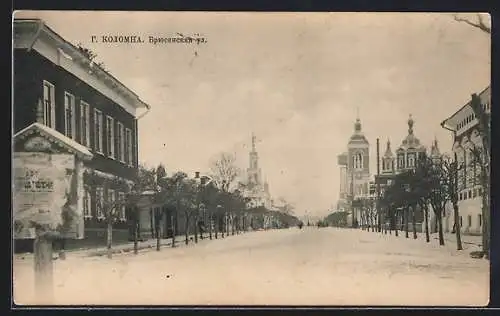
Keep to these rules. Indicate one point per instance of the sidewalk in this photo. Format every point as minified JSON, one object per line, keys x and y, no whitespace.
{"x":466,"y":239}
{"x":129,"y":247}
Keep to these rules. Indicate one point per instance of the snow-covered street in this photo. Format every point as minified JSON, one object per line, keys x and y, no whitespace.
{"x":312,"y":266}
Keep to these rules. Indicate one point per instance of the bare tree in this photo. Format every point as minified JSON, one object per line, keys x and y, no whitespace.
{"x":451,"y":169}
{"x":438,"y":194}
{"x":224,"y":171}
{"x":479,"y":23}
{"x":109,"y":207}
{"x":286,"y":207}
{"x":422,"y":186}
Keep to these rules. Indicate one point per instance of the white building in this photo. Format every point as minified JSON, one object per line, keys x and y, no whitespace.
{"x":356,"y":171}
{"x":256,"y":189}
{"x":464,"y":125}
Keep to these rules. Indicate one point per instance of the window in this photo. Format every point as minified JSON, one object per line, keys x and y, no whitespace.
{"x":110,"y":136}
{"x":461,"y":224}
{"x":86,"y":203}
{"x":121,"y":142}
{"x":357,"y":161}
{"x":474,"y":193}
{"x":69,"y":115}
{"x":99,"y":202}
{"x":401,"y":162}
{"x":411,"y":161}
{"x":84,"y":124}
{"x":121,"y":198}
{"x":111,"y":198}
{"x":469,"y":221}
{"x":460,"y":197}
{"x":480,"y":220}
{"x":98,"y":133}
{"x":48,"y":115}
{"x":130,"y":147}
{"x":470,"y":194}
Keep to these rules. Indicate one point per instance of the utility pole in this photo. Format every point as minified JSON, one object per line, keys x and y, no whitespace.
{"x":377,"y":183}
{"x":352,"y":199}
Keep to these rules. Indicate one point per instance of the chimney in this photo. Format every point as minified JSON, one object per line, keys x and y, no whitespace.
{"x":197,"y":174}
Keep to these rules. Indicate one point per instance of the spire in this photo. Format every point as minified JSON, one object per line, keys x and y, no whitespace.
{"x":388,"y":151}
{"x":435,"y":149}
{"x":410,"y":125}
{"x":253,"y":142}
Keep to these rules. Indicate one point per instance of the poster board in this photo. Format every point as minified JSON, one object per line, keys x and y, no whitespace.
{"x":44,"y":185}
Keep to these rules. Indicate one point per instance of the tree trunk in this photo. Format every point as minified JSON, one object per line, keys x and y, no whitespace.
{"x":174,"y":231}
{"x":62,"y":252}
{"x":186,"y":231}
{"x":223,"y":224}
{"x":217,"y":226}
{"x":414,"y":219}
{"x":110,"y":238}
{"x":426,"y":222}
{"x":43,"y":252}
{"x":158,"y":237}
{"x":485,"y":212}
{"x":396,"y":228}
{"x":407,"y":235}
{"x":136,"y":234}
{"x":196,"y":219}
{"x":440,"y":227}
{"x":210,"y":221}
{"x":457,"y":231}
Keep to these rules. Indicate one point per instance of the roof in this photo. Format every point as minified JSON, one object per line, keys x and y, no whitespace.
{"x":54,"y":136}
{"x":75,"y":53}
{"x":448,"y":124}
{"x":358,"y":138}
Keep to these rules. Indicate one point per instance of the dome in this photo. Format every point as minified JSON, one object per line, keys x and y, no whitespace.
{"x":411,"y":141}
{"x":388,"y":151}
{"x":358,"y":137}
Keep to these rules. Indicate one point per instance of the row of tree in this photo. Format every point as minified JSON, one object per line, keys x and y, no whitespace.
{"x":213,"y":203}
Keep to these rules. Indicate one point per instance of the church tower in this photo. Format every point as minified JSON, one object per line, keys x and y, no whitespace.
{"x":435,"y":153}
{"x":358,"y":162}
{"x":253,"y":171}
{"x":388,"y":160}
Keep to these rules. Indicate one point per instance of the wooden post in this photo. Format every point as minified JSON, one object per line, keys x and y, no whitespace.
{"x":44,"y":278}
{"x":136,"y":231}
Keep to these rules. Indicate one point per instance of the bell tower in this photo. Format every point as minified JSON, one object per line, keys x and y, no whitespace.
{"x":358,"y":161}
{"x":253,"y":171}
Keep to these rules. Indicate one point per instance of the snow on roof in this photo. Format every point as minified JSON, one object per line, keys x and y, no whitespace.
{"x":59,"y":138}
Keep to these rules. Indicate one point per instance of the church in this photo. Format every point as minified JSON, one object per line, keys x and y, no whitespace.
{"x":256,"y":189}
{"x":355,"y":173}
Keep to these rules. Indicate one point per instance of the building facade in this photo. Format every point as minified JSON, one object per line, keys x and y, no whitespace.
{"x":357,"y":170}
{"x":56,"y":85}
{"x":256,"y":189}
{"x":464,"y":125}
{"x":405,"y":159}
{"x":343,"y":200}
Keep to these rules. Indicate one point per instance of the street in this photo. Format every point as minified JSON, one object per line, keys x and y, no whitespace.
{"x":327,"y":266}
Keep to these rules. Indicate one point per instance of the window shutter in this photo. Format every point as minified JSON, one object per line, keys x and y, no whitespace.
{"x":39,"y":112}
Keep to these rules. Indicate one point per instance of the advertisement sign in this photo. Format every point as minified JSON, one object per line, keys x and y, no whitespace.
{"x":45,"y":186}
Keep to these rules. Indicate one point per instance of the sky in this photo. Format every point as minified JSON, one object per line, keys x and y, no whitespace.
{"x":296,"y":80}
